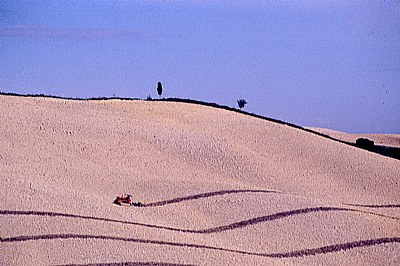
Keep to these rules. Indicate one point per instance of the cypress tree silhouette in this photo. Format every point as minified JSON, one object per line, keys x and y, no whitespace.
{"x":159,"y":89}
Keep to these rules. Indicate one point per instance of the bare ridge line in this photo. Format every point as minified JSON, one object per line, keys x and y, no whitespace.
{"x":297,"y":253}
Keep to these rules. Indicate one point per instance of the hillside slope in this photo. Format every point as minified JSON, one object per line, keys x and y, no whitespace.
{"x":392,"y":140}
{"x":219,"y":188}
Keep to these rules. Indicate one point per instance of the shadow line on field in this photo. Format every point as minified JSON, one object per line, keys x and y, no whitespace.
{"x":291,"y":254}
{"x":206,"y":195}
{"x":218,"y":229}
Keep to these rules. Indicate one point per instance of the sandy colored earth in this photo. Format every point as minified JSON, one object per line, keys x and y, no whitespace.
{"x":218,"y":188}
{"x":389,"y":140}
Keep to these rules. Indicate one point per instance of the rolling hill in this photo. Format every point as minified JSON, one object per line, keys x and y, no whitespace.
{"x":218,"y":188}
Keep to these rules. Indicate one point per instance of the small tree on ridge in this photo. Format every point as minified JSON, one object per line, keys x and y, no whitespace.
{"x":241,"y":103}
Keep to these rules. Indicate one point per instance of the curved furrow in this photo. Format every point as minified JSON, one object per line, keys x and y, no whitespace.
{"x":291,"y":254}
{"x":235,"y":191}
{"x":281,"y":215}
{"x":218,"y":229}
{"x":57,"y":214}
{"x":206,"y":195}
{"x":374,"y":206}
{"x":131,"y":263}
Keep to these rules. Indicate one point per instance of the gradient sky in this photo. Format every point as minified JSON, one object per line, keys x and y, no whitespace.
{"x":332,"y":64}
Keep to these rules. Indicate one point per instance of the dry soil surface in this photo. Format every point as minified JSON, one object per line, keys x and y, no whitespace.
{"x":388,"y":140}
{"x":218,"y":188}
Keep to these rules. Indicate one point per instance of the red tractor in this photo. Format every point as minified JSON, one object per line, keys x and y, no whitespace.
{"x":126,"y":199}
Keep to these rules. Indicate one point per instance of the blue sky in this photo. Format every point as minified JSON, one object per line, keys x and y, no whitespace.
{"x":332,"y":64}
